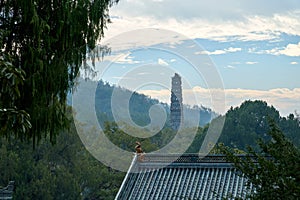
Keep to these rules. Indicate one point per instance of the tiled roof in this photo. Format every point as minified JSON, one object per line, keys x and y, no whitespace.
{"x":7,"y":192}
{"x":182,"y":177}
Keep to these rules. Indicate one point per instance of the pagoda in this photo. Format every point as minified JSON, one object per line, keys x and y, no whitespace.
{"x":176,"y":102}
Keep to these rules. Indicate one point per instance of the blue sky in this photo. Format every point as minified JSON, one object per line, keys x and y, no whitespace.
{"x":250,"y":48}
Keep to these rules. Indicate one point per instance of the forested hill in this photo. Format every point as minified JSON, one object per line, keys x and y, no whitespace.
{"x":250,"y":121}
{"x":139,"y":105}
{"x":247,"y":123}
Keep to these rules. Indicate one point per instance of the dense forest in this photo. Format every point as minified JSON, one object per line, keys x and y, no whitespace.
{"x":245,"y":124}
{"x":65,"y":170}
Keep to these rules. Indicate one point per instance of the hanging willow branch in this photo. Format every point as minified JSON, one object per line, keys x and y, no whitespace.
{"x":49,"y":41}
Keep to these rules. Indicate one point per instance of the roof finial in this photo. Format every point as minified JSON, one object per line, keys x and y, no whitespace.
{"x":139,"y":151}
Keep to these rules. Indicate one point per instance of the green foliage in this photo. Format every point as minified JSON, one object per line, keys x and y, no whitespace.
{"x":245,"y":124}
{"x":47,"y":42}
{"x":65,"y":170}
{"x":198,"y":140}
{"x":275,"y":171}
{"x":12,"y":120}
{"x":291,"y":127}
{"x":127,"y":142}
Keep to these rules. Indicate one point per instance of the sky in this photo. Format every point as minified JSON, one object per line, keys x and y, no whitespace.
{"x":225,"y":51}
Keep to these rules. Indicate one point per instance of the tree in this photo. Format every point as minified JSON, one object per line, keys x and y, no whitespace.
{"x":44,"y":44}
{"x":65,"y":170}
{"x":245,"y":124}
{"x":11,"y":78}
{"x":248,"y":122}
{"x":275,"y":171}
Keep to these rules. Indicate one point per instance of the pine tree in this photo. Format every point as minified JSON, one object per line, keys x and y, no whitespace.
{"x":275,"y":171}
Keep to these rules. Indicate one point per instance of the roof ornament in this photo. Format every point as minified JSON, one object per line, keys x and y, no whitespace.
{"x":139,"y":151}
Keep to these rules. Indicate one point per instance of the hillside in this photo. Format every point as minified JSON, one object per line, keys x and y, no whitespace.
{"x":139,"y":105}
{"x":245,"y":124}
{"x":248,"y":122}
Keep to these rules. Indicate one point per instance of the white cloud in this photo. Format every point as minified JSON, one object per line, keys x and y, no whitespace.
{"x":128,"y":38}
{"x":294,"y":63}
{"x":216,"y":52}
{"x":213,"y":9}
{"x":122,"y":58}
{"x":247,"y":20}
{"x":162,"y":62}
{"x":283,"y":99}
{"x":251,"y":63}
{"x":252,"y":50}
{"x":229,"y":67}
{"x":289,"y":50}
{"x":232,"y":49}
{"x":219,"y":52}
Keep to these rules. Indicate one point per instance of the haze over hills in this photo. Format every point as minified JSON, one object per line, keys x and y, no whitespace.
{"x":243,"y":125}
{"x":139,"y":106}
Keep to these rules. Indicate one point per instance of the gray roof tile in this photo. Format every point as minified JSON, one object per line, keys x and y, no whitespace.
{"x":188,"y":176}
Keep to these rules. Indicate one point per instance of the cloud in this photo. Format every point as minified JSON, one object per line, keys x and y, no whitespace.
{"x":294,"y":63}
{"x":229,"y":67}
{"x":233,"y":20}
{"x":283,"y":99}
{"x":219,"y":52}
{"x":124,"y":39}
{"x":292,"y":50}
{"x":231,"y":49}
{"x":122,"y":58}
{"x":162,"y":62}
{"x":251,"y":63}
{"x":216,"y":52}
{"x":213,"y":9}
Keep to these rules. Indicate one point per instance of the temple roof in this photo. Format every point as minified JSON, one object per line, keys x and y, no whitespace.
{"x":187,"y":176}
{"x":7,"y":192}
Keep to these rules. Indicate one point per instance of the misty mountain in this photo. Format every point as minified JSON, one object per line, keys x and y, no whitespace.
{"x":139,"y":106}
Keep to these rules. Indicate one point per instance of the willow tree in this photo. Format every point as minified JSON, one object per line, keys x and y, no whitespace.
{"x":43,"y":46}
